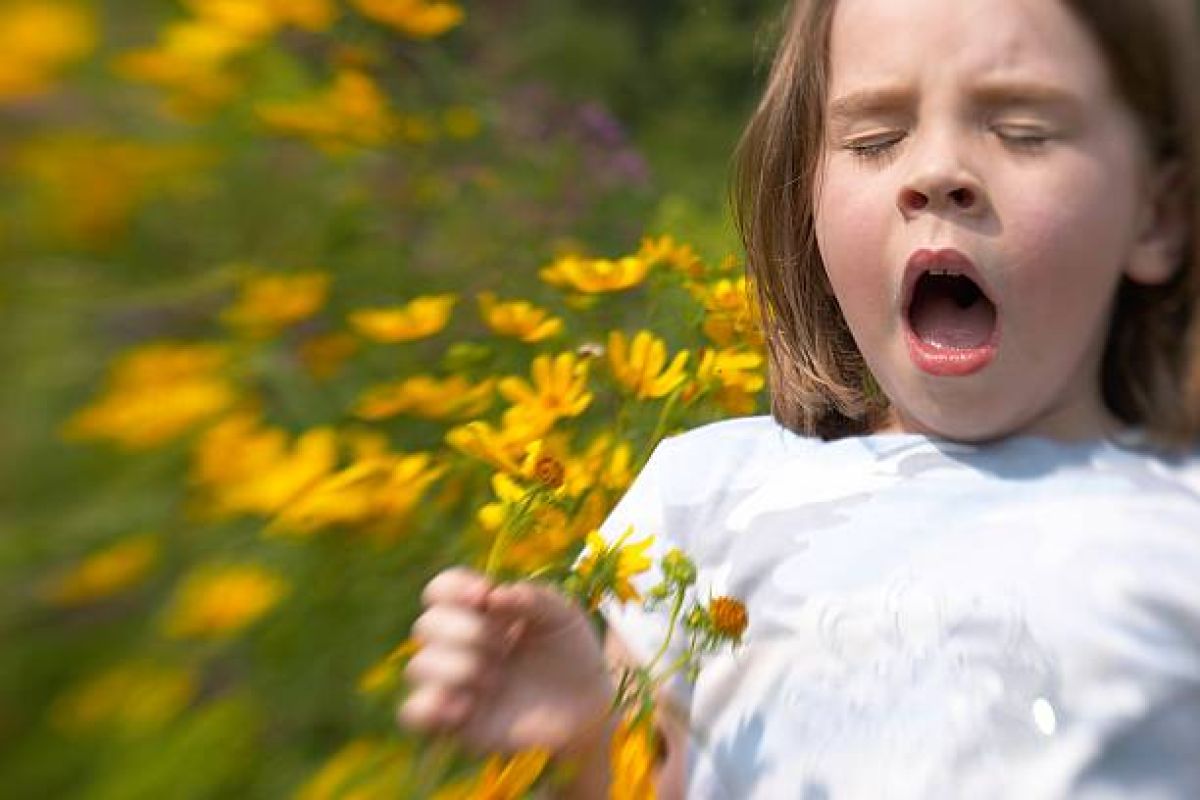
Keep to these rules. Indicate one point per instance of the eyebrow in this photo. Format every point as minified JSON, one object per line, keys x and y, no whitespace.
{"x":889,"y":99}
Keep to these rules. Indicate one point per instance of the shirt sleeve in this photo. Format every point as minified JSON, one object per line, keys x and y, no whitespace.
{"x":643,"y":512}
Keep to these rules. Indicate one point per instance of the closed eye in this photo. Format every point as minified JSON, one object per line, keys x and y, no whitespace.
{"x":1022,"y":138}
{"x":874,"y":148}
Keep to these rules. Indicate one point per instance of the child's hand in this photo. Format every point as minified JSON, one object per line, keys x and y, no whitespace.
{"x":505,"y":668}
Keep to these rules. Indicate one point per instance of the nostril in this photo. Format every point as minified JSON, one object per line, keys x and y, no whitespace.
{"x":914,"y":199}
{"x":963,"y":198}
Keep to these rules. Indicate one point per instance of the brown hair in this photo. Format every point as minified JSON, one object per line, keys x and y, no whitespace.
{"x":820,"y":384}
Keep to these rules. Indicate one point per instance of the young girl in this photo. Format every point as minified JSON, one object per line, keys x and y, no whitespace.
{"x":970,"y":567}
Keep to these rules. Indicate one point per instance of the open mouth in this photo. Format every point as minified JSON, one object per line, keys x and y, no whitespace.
{"x":950,"y":310}
{"x":953,"y":324}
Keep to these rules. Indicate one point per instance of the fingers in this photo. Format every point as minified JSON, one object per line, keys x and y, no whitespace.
{"x":435,"y":708}
{"x":453,"y":668}
{"x":457,"y":586}
{"x":458,"y":627}
{"x":536,"y":605}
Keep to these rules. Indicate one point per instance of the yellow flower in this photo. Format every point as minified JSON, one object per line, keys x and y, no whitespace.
{"x":679,"y":257}
{"x":190,"y":62}
{"x":592,"y":276}
{"x":501,"y":779}
{"x":427,"y":397}
{"x":40,"y":39}
{"x":639,"y":367}
{"x":364,"y":769}
{"x":736,"y":377}
{"x":154,"y":393}
{"x":214,"y":602}
{"x":503,"y":448}
{"x":633,"y":754}
{"x":269,"y":303}
{"x":422,"y":317}
{"x":244,"y":467}
{"x":558,"y":389}
{"x":606,"y":464}
{"x":731,"y":314}
{"x":379,"y":491}
{"x":518,"y":319}
{"x":420,"y":19}
{"x":137,"y":696}
{"x":608,"y":568}
{"x":107,"y":572}
{"x":352,"y":112}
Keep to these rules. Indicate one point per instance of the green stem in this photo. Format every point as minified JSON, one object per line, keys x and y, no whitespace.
{"x":660,"y":427}
{"x":676,"y":607}
{"x":492,"y":566}
{"x":675,"y":666}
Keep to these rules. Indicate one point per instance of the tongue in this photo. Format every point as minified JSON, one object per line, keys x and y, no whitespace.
{"x":939,"y":320}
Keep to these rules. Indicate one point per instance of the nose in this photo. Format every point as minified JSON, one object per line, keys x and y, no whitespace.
{"x":941,"y":183}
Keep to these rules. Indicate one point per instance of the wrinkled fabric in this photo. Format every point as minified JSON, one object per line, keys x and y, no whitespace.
{"x":930,"y":619}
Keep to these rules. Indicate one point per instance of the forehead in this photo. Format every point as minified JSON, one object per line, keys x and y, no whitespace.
{"x":885,"y":42}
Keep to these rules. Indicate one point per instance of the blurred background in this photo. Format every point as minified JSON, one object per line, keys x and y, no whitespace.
{"x":273,"y":275}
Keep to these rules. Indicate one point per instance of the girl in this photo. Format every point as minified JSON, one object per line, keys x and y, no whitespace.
{"x":970,"y":568}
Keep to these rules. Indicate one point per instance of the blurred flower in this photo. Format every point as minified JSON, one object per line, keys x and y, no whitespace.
{"x":591,"y":276}
{"x":558,"y":389}
{"x":420,"y":19}
{"x":427,"y":397}
{"x":137,"y":696}
{"x":352,"y":112}
{"x":422,"y":317}
{"x":735,"y":376}
{"x":681,"y":258}
{"x":605,"y":463}
{"x":89,"y":186}
{"x":267,"y":303}
{"x":641,"y":367}
{"x":40,"y":39}
{"x":113,"y":569}
{"x":519,"y":319}
{"x":377,"y":491}
{"x":364,"y":769}
{"x":728,"y":616}
{"x":214,"y":602}
{"x":537,"y":536}
{"x":385,"y":673}
{"x":154,"y":393}
{"x":324,"y":354}
{"x":243,"y":467}
{"x":190,"y":61}
{"x":634,"y":755}
{"x":502,"y":778}
{"x":606,"y":568}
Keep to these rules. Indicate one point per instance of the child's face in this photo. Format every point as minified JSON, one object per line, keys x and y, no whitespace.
{"x":989,"y":128}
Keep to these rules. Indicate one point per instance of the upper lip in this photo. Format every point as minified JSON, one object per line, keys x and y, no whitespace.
{"x":947,"y":259}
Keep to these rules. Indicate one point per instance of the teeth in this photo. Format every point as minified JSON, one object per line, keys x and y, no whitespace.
{"x":943,"y":272}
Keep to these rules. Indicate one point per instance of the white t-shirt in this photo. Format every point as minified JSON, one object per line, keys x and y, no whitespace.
{"x":930,"y":619}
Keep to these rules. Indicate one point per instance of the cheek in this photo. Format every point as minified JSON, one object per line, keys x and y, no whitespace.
{"x":851,"y":227}
{"x":1069,"y":229}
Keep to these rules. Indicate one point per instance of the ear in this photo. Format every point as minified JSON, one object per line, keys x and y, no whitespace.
{"x":1163,"y":230}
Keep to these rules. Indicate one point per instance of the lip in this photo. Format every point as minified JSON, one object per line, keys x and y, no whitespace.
{"x":939,"y":360}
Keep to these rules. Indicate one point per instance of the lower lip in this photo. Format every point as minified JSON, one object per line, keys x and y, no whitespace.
{"x":949,"y":362}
